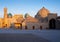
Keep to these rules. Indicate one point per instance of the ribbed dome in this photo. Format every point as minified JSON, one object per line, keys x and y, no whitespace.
{"x":43,"y":12}
{"x":9,"y":15}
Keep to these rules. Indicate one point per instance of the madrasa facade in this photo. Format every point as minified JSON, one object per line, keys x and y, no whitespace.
{"x":44,"y":19}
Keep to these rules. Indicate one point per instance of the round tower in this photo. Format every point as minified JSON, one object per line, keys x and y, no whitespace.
{"x":5,"y":12}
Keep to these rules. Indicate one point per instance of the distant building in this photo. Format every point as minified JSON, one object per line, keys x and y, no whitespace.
{"x":42,"y":20}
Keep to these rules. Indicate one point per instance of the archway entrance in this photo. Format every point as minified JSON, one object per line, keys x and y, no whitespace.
{"x":40,"y":27}
{"x":26,"y":28}
{"x":33,"y":27}
{"x":52,"y":24}
{"x":20,"y":26}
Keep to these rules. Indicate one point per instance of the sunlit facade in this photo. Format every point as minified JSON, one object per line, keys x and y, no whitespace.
{"x":47,"y":19}
{"x":8,"y":19}
{"x":42,"y":20}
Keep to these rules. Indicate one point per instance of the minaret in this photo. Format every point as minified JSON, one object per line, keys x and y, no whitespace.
{"x":5,"y":12}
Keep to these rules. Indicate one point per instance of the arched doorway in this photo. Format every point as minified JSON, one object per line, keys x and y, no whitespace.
{"x":26,"y":28}
{"x":5,"y":26}
{"x":20,"y":26}
{"x":52,"y":24}
{"x":40,"y":27}
{"x":33,"y":27}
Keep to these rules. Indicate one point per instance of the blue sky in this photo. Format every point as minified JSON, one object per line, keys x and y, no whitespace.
{"x":29,"y":6}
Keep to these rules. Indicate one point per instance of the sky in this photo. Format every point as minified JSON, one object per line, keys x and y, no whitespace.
{"x":29,"y":6}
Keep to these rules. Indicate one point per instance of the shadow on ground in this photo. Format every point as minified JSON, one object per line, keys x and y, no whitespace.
{"x":21,"y":38}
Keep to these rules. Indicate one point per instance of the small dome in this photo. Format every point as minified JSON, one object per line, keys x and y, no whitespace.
{"x":9,"y":15}
{"x":27,"y":15}
{"x":43,"y":12}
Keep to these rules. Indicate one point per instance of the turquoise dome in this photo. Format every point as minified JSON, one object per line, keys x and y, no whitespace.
{"x":9,"y":15}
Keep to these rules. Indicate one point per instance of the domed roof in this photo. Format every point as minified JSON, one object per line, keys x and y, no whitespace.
{"x":27,"y":15}
{"x":9,"y":15}
{"x":43,"y":12}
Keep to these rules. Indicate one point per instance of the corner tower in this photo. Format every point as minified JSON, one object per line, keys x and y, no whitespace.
{"x":5,"y":12}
